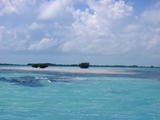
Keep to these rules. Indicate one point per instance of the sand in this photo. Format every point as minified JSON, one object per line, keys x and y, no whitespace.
{"x":73,"y":70}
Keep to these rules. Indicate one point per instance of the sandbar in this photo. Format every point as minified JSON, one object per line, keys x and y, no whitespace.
{"x":73,"y":70}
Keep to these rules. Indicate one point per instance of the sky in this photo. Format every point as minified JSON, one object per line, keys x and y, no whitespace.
{"x":102,"y":32}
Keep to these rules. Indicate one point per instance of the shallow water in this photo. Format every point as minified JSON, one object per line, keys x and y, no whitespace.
{"x":69,"y":96}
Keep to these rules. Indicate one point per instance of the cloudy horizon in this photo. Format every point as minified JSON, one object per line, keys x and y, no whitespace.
{"x":103,"y":32}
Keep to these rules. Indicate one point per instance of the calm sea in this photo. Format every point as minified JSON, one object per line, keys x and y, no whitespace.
{"x":26,"y":95}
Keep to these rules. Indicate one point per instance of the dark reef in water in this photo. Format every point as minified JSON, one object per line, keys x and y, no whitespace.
{"x":32,"y":81}
{"x":25,"y":81}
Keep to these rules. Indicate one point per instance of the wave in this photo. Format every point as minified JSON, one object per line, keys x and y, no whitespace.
{"x":80,"y":78}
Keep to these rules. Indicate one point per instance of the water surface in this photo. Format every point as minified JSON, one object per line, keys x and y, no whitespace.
{"x":71,"y":96}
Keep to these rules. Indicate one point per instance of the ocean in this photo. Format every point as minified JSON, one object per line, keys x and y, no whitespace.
{"x":42,"y":95}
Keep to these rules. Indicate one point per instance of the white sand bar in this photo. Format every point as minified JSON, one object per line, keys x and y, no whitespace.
{"x":73,"y":70}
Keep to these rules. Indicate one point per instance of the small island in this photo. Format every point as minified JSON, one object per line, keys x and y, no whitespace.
{"x":84,"y":65}
{"x":40,"y":65}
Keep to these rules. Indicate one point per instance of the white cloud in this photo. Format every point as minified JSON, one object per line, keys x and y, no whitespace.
{"x":112,"y":28}
{"x":15,"y":6}
{"x":35,"y":26}
{"x":11,"y":39}
{"x":94,"y":32}
{"x":104,"y":27}
{"x":154,"y":44}
{"x":150,"y":20}
{"x":2,"y":28}
{"x":52,"y":8}
{"x":2,"y":34}
{"x":110,"y":8}
{"x":23,"y":2}
{"x":21,"y":45}
{"x":45,"y":43}
{"x":6,"y":7}
{"x":68,"y":46}
{"x":152,"y":14}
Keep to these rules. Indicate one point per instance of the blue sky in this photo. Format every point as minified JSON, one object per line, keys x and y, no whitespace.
{"x":104,"y":32}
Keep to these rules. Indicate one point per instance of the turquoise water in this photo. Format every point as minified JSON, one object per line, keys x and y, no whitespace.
{"x":26,"y":95}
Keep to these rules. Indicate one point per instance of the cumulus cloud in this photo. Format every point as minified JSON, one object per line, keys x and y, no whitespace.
{"x":53,"y":8}
{"x":35,"y":26}
{"x":151,"y":33}
{"x":111,"y":27}
{"x":13,"y":38}
{"x":45,"y":43}
{"x":110,"y":8}
{"x":6,"y":7}
{"x":151,"y":15}
{"x":15,"y":6}
{"x":94,"y":31}
{"x":101,"y":27}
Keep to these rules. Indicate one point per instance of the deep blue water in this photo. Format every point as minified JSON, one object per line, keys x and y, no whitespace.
{"x":26,"y":95}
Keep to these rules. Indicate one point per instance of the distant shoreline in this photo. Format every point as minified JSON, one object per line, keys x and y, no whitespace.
{"x":76,"y":65}
{"x":72,"y":70}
